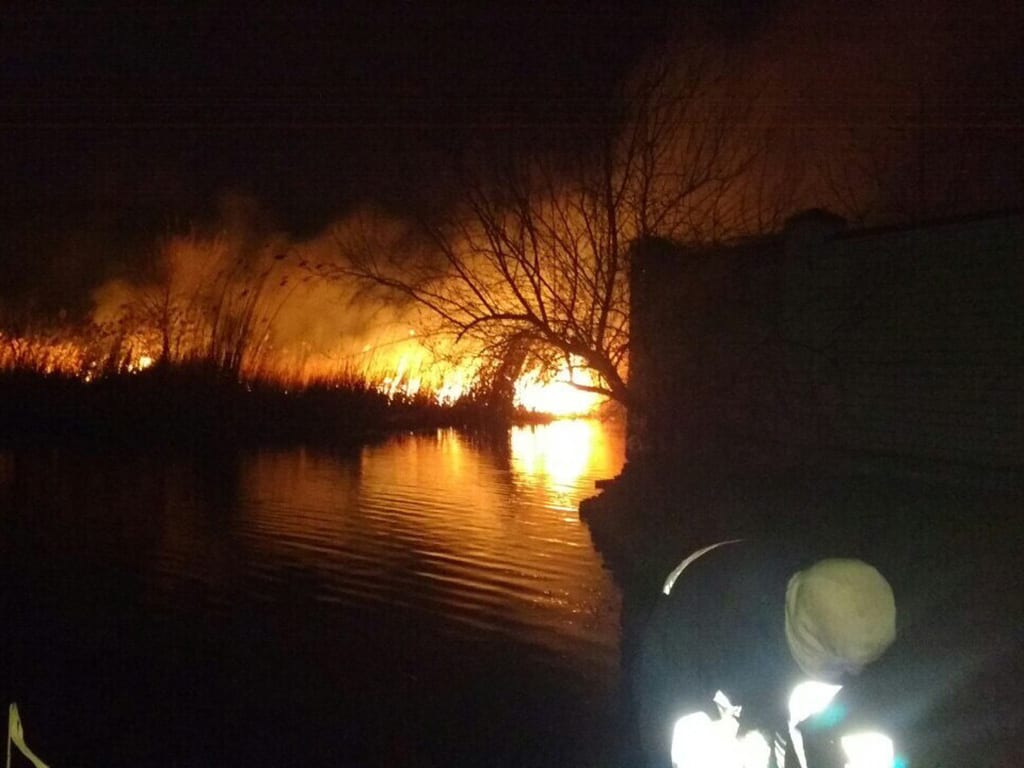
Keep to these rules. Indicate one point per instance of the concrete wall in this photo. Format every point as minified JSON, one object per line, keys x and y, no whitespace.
{"x":904,"y":342}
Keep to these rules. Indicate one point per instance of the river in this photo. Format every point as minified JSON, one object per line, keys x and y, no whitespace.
{"x":427,"y":600}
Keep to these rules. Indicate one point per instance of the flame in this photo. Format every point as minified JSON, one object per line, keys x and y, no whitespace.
{"x":401,"y":369}
{"x":141,"y":363}
{"x":255,"y":314}
{"x":557,"y":396}
{"x":398,"y":365}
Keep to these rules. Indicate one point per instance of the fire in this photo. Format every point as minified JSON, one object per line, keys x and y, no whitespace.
{"x":398,"y":365}
{"x":254,"y":314}
{"x":557,"y":396}
{"x":142,"y":363}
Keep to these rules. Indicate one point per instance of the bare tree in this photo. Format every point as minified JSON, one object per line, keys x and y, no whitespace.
{"x":530,"y":267}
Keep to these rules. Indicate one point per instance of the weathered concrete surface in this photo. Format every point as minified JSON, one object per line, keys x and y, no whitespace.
{"x":901,"y":343}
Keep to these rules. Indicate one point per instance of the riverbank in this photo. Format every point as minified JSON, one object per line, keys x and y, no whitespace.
{"x":196,"y":406}
{"x":948,"y":538}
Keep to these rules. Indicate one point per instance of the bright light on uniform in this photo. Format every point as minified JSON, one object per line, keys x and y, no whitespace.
{"x":868,"y":750}
{"x":754,"y":750}
{"x":693,"y":741}
{"x":700,"y":742}
{"x":810,"y":698}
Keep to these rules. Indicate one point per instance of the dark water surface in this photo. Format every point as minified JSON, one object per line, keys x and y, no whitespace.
{"x":430,"y":600}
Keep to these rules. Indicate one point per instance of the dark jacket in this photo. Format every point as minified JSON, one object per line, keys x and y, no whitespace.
{"x":721,"y":628}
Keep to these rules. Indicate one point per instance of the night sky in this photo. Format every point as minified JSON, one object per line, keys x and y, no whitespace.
{"x":307,"y":106}
{"x":119,"y":122}
{"x":122,"y":121}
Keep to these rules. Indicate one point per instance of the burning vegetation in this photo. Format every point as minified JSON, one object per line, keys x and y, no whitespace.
{"x":510,"y":289}
{"x":247,"y":311}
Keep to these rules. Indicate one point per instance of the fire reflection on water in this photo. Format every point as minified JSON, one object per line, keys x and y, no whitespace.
{"x":446,"y":569}
{"x":557,"y":456}
{"x":484,"y":536}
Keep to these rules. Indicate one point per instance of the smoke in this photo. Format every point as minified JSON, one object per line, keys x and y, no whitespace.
{"x":881,"y":111}
{"x":248,"y":298}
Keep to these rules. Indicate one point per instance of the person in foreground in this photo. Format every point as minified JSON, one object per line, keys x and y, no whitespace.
{"x":745,"y":643}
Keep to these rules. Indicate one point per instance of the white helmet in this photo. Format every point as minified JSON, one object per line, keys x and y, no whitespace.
{"x":840,"y":617}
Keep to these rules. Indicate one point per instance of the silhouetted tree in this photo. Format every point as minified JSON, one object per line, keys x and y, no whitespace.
{"x":531,"y":264}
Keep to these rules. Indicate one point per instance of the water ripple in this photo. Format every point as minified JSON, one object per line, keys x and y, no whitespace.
{"x":478,"y":537}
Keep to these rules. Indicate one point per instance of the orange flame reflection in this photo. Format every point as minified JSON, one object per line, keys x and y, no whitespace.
{"x":559,"y":455}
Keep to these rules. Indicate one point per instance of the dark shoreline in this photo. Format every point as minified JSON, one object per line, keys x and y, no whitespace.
{"x":189,"y":409}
